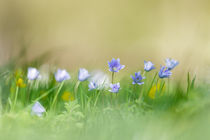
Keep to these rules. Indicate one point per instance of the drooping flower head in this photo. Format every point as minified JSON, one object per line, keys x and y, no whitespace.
{"x":92,"y":85}
{"x":115,"y":88}
{"x":37,"y":109}
{"x":137,"y":78}
{"x":62,"y":75}
{"x":115,"y":66}
{"x":171,"y":63}
{"x":33,"y":73}
{"x":164,"y":72}
{"x":83,"y":74}
{"x":148,"y":66}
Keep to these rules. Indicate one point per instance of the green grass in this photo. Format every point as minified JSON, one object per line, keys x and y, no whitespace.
{"x":177,"y":112}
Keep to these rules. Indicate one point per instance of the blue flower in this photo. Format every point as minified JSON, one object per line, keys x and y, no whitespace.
{"x":115,"y":66}
{"x":164,"y":72}
{"x":137,"y":79}
{"x":171,"y":63}
{"x":37,"y":109}
{"x":148,"y":66}
{"x":62,"y":75}
{"x":92,"y":86}
{"x":83,"y":74}
{"x":115,"y":88}
{"x":33,"y":73}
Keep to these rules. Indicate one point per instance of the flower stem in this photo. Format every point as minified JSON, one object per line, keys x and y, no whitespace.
{"x":98,"y":93}
{"x":76,"y":87}
{"x":168,"y":85}
{"x":144,"y":73}
{"x":28,"y":92}
{"x":56,"y":95}
{"x":112,"y":83}
{"x":112,"y":77}
{"x":82,"y":99}
{"x":157,"y":87}
{"x":16,"y":95}
{"x":152,"y":83}
{"x":44,"y":94}
{"x":76,"y":90}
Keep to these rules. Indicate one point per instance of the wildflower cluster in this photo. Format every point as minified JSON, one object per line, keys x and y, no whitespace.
{"x":97,"y":81}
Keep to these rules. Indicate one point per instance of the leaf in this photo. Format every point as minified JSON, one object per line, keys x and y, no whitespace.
{"x":188,"y":82}
{"x":193,"y":83}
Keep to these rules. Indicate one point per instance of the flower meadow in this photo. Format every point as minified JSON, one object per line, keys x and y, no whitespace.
{"x":147,"y":104}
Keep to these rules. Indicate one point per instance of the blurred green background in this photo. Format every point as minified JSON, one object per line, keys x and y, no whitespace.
{"x":88,"y":33}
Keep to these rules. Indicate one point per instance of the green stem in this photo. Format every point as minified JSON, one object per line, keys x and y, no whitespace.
{"x":141,"y":94}
{"x":157,"y":87}
{"x":134,"y":92}
{"x":162,"y":86}
{"x":16,"y":95}
{"x":98,"y":93}
{"x":112,"y":77}
{"x":44,"y":94}
{"x":82,"y":99}
{"x":28,"y":92}
{"x":112,"y":83}
{"x":143,"y":74}
{"x":143,"y":88}
{"x":56,"y":95}
{"x":76,"y":90}
{"x":76,"y":87}
{"x":9,"y":104}
{"x":168,"y":85}
{"x":152,"y":83}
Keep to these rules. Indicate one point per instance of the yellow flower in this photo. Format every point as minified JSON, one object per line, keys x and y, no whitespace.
{"x":20,"y":83}
{"x":154,"y":89}
{"x":67,"y":96}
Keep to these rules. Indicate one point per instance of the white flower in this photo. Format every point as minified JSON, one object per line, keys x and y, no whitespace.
{"x":62,"y":75}
{"x":148,"y":66}
{"x":100,"y":79}
{"x":83,"y":74}
{"x":33,"y":73}
{"x":37,"y":109}
{"x":92,"y":86}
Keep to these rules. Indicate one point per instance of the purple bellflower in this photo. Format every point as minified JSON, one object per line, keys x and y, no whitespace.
{"x":115,"y":66}
{"x":37,"y":109}
{"x":33,"y":73}
{"x":115,"y":88}
{"x":164,"y":72}
{"x":148,"y":66}
{"x":137,"y":78}
{"x":83,"y":74}
{"x":62,"y":75}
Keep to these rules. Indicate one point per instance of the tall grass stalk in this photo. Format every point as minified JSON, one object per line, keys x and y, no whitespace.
{"x":56,"y":95}
{"x":16,"y":96}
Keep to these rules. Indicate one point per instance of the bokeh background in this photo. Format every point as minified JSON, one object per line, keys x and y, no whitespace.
{"x":88,"y":33}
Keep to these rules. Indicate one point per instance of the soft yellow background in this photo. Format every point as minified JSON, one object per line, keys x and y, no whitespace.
{"x":88,"y":33}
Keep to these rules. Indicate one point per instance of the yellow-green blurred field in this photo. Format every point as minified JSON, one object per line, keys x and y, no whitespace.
{"x":68,"y":34}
